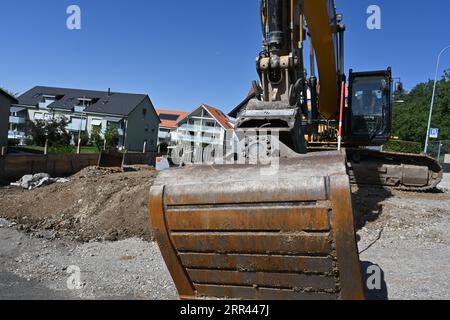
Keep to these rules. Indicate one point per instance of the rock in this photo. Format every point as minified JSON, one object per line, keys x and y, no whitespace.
{"x":26,"y":181}
{"x":5,"y":224}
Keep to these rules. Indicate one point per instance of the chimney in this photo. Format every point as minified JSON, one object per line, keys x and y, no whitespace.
{"x":109,"y":92}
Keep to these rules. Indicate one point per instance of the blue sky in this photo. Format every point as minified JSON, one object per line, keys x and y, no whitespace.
{"x":184,"y":53}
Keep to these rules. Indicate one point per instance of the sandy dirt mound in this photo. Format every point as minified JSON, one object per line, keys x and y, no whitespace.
{"x":96,"y":204}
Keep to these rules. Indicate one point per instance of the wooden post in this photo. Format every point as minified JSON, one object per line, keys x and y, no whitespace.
{"x":79,"y":144}
{"x":4,"y":151}
{"x":144,"y":149}
{"x":46,"y":147}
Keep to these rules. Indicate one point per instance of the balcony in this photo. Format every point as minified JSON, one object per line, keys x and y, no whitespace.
{"x":163,"y":135}
{"x":16,"y":135}
{"x":17,"y":120}
{"x":203,"y":140}
{"x":75,"y":127}
{"x":44,"y":105}
{"x":197,"y":128}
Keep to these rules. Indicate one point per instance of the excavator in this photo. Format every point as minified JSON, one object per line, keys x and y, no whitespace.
{"x":237,"y":231}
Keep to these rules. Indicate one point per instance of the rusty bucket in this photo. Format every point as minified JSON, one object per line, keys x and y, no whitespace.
{"x":232,"y":232}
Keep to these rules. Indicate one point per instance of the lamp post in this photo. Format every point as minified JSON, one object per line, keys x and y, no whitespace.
{"x":432,"y":99}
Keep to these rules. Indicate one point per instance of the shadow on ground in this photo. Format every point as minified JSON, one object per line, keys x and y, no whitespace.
{"x":375,"y":286}
{"x":367,"y":202}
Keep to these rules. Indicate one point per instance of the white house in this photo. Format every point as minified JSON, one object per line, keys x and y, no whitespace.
{"x":132,"y":114}
{"x":205,"y":125}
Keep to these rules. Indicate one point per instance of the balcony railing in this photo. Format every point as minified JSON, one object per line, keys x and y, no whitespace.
{"x":16,"y":135}
{"x":206,"y":140}
{"x":44,"y":105}
{"x":75,"y":127}
{"x":16,"y":120}
{"x":163,"y":135}
{"x":196,"y":128}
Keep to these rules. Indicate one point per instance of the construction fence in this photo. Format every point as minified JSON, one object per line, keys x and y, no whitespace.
{"x":441,"y":150}
{"x":15,"y":166}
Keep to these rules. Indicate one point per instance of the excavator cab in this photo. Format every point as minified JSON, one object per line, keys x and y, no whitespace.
{"x":369,"y":108}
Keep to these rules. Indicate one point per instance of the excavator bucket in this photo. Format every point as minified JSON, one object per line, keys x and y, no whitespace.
{"x":234,"y":231}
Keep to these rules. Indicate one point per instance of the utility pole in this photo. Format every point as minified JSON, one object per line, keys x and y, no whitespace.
{"x":432,"y":99}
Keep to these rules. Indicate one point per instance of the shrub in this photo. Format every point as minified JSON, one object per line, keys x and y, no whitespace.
{"x":96,"y":138}
{"x":62,"y":149}
{"x":13,"y":142}
{"x":404,"y":147}
{"x":112,"y":137}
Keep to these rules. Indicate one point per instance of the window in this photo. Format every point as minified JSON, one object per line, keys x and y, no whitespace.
{"x":368,"y":101}
{"x":144,"y":112}
{"x":38,"y":116}
{"x":168,"y":117}
{"x":96,"y":122}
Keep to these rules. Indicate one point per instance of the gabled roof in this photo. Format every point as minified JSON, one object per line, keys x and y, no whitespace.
{"x":223,"y":120}
{"x":234,"y":113}
{"x":7,"y":95}
{"x":217,"y":114}
{"x":172,"y":124}
{"x":113,"y":103}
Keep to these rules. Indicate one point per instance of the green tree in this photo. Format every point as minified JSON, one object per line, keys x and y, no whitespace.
{"x":84,"y":138}
{"x":55,"y":131}
{"x":112,"y":137}
{"x":410,"y":118}
{"x":96,"y":138}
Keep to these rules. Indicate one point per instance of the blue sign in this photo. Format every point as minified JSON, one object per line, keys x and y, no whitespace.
{"x":434,"y":133}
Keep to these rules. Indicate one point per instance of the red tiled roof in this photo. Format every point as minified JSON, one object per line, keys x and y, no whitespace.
{"x":172,"y":124}
{"x":223,"y":120}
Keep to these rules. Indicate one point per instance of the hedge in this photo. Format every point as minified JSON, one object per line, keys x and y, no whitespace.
{"x":404,"y":147}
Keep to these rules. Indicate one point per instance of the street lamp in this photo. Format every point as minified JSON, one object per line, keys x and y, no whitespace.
{"x":432,"y":99}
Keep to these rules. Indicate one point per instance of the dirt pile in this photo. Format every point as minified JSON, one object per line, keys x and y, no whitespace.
{"x":96,"y":204}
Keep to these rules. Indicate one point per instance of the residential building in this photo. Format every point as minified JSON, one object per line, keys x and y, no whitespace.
{"x":5,"y":104}
{"x":169,"y":125}
{"x":205,"y":125}
{"x":133,"y":114}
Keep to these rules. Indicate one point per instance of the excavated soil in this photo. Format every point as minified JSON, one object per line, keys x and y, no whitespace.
{"x":96,"y":204}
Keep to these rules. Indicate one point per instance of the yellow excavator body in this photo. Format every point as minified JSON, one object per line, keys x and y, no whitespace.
{"x":255,"y":231}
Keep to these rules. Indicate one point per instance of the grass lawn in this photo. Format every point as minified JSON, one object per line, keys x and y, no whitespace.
{"x":40,"y":150}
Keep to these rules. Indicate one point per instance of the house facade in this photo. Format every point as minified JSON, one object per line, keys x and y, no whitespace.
{"x":133,"y":115}
{"x":206,"y":125}
{"x":6,"y":100}
{"x":169,"y":125}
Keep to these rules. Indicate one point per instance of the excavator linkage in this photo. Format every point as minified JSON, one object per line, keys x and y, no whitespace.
{"x":235,"y":231}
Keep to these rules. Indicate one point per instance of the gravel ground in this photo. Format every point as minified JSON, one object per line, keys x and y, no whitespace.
{"x":405,"y":234}
{"x":446,"y":182}
{"x":128,"y":269}
{"x":410,"y":242}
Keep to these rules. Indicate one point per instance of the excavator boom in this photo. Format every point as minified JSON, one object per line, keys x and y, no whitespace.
{"x":285,"y":229}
